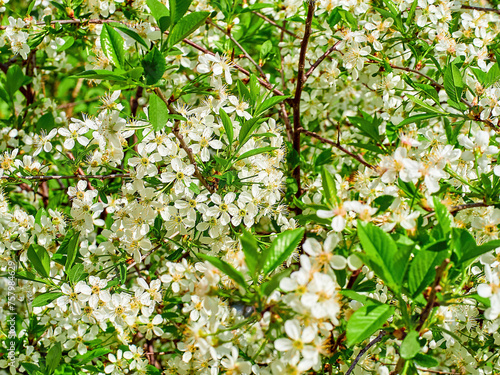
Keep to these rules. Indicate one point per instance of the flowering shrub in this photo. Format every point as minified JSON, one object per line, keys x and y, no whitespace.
{"x":249,"y":187}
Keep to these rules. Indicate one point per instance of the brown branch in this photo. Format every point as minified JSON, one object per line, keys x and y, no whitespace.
{"x":69,"y":22}
{"x":432,"y":296}
{"x":247,"y":55}
{"x":461,"y":207}
{"x":183,"y":144}
{"x":298,"y":94}
{"x":76,"y":176}
{"x":338,"y":146}
{"x":492,"y":10}
{"x":320,"y":60}
{"x":377,"y":339}
{"x":286,"y":120}
{"x":282,"y":28}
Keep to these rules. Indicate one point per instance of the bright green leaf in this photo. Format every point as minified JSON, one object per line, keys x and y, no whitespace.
{"x":158,"y":112}
{"x":186,"y":26}
{"x":154,"y":65}
{"x":226,"y":268}
{"x":228,"y":125}
{"x":410,"y":345}
{"x":383,"y":256}
{"x":282,"y":247}
{"x":45,"y":299}
{"x":112,"y":45}
{"x":178,"y":8}
{"x":39,"y":259}
{"x":365,"y":321}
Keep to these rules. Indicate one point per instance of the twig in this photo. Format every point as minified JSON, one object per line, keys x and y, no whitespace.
{"x":69,"y":22}
{"x":236,"y":66}
{"x":131,"y":265}
{"x":461,"y":207}
{"x":492,"y":10}
{"x":338,"y":146}
{"x":432,"y":296}
{"x":286,"y":120}
{"x":183,"y":144}
{"x":247,"y":55}
{"x":320,"y":60}
{"x":76,"y":176}
{"x":365,"y":349}
{"x":282,"y":28}
{"x":298,"y":92}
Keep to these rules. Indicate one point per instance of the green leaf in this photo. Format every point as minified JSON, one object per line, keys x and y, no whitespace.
{"x":228,"y":125}
{"x":417,"y":118}
{"x":178,"y":8}
{"x":256,"y":151}
{"x":425,"y":360}
{"x":369,"y":128}
{"x":465,"y":248}
{"x":131,"y":33}
{"x":77,"y":273}
{"x":112,"y":45}
{"x":453,"y":83}
{"x":269,"y":286}
{"x":26,"y":275}
{"x":46,"y":122}
{"x":87,"y":357}
{"x":365,"y":321}
{"x":68,"y":42}
{"x":265,"y":48}
{"x":423,"y":270}
{"x":410,"y":345}
{"x":186,"y":26}
{"x":424,"y":105}
{"x":158,"y":112}
{"x":14,"y":79}
{"x":101,"y":74}
{"x":247,"y":129}
{"x":160,"y":13}
{"x":72,"y":251}
{"x":281,"y":248}
{"x":269,"y":103}
{"x":226,"y":268}
{"x":154,"y":65}
{"x":250,"y":248}
{"x":443,"y":217}
{"x":53,"y":357}
{"x":39,"y":258}
{"x":45,"y":299}
{"x":31,"y":368}
{"x":383,"y":256}
{"x":122,"y":269}
{"x":329,"y":188}
{"x":383,"y":202}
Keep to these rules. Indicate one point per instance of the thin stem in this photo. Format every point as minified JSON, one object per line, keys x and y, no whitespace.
{"x":461,"y":207}
{"x":338,"y":146}
{"x":267,"y":85}
{"x":377,"y":339}
{"x":76,"y":176}
{"x":492,"y":10}
{"x":320,"y":60}
{"x":432,"y":296}
{"x":183,"y":144}
{"x":247,"y":55}
{"x":275,"y":24}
